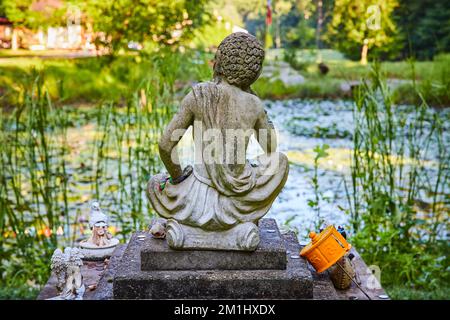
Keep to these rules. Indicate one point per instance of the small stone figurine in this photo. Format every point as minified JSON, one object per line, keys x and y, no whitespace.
{"x":98,"y":222}
{"x":158,"y":228}
{"x":58,"y":267}
{"x":67,"y":268}
{"x":101,"y":243}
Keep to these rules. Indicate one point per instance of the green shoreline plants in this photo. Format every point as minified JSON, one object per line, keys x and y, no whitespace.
{"x":55,"y":159}
{"x":392,"y":228}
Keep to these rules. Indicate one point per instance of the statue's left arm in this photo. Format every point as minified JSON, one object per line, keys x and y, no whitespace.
{"x":173,"y":134}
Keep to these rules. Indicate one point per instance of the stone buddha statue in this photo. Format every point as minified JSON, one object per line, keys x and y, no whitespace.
{"x":217,"y":203}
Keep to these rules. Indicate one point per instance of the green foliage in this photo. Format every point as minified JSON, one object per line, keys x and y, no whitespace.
{"x":402,"y":293}
{"x":18,"y":291}
{"x":312,"y":88}
{"x":353,"y":23}
{"x":320,"y":152}
{"x":91,"y":80}
{"x":300,"y":36}
{"x":28,"y":13}
{"x":393,"y":230}
{"x":117,"y":23}
{"x":47,"y":172}
{"x":165,"y":23}
{"x":210,"y":35}
{"x":290,"y":56}
{"x":2,"y":8}
{"x":431,"y":78}
{"x":426,"y":27}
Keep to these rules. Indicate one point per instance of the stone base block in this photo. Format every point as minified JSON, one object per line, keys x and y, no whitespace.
{"x":270,"y":254}
{"x":243,"y":237}
{"x":130,"y":282}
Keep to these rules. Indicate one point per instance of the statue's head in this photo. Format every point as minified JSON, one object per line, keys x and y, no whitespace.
{"x":97,"y":217}
{"x":239,"y":60}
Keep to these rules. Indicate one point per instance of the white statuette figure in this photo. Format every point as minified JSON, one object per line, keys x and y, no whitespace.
{"x":101,"y":243}
{"x":67,"y":268}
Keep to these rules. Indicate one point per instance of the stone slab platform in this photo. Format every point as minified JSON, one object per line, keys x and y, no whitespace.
{"x":101,"y":275}
{"x":130,"y":282}
{"x":270,"y":254}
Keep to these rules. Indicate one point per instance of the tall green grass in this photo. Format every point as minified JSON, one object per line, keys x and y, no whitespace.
{"x":55,"y":159}
{"x":404,"y":236}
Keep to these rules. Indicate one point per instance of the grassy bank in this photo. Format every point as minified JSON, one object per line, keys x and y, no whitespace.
{"x":93,"y":79}
{"x":408,"y":79}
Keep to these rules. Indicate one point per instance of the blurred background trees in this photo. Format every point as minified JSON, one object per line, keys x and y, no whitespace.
{"x":425,"y":25}
{"x":358,"y":26}
{"x":387,"y":30}
{"x":145,"y":22}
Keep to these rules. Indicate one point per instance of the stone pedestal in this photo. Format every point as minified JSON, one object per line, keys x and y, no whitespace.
{"x":149,"y":269}
{"x":270,"y":254}
{"x":99,"y":277}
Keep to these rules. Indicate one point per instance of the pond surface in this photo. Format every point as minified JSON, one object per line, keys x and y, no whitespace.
{"x":129,"y":156}
{"x":302,"y":126}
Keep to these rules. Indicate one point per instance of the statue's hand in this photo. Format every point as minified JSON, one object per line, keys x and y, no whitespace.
{"x":186,"y":173}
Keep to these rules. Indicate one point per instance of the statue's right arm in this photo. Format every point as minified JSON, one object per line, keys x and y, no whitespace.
{"x":173,"y":134}
{"x":265,"y":133}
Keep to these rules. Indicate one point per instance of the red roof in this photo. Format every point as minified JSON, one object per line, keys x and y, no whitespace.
{"x":4,"y":21}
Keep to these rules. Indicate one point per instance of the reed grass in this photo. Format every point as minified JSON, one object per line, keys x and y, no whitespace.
{"x":393,"y":228}
{"x":49,"y":174}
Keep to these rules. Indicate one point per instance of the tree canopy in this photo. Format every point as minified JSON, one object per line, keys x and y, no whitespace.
{"x":355,"y":23}
{"x":163,"y":22}
{"x":34,"y":14}
{"x":390,"y":29}
{"x":425,"y":25}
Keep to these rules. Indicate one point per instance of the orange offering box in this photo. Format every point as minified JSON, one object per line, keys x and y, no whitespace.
{"x":325,"y":249}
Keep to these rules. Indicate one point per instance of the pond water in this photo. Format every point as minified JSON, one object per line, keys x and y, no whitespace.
{"x":301,"y":125}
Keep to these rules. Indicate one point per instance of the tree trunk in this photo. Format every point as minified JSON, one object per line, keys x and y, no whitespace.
{"x":14,"y":40}
{"x":277,"y":36}
{"x":319,"y":28}
{"x":364,"y":51}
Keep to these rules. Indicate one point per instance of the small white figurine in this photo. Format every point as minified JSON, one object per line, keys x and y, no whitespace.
{"x":98,"y":222}
{"x":67,"y":268}
{"x":101,"y":243}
